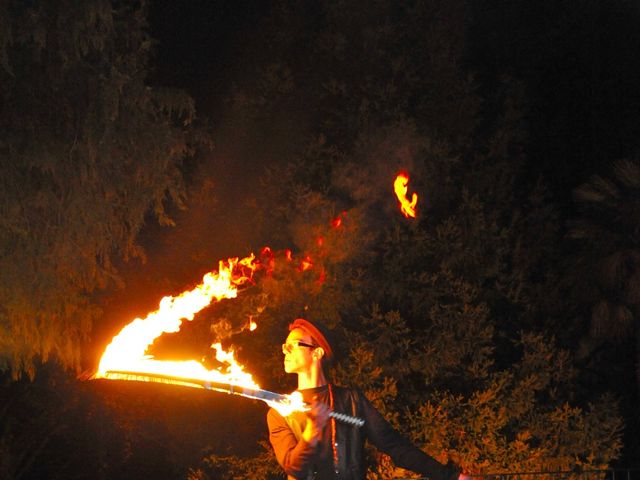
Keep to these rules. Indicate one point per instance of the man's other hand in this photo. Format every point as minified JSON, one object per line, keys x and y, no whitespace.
{"x":318,"y":415}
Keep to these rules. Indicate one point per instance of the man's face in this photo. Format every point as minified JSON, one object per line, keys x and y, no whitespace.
{"x":297,"y":352}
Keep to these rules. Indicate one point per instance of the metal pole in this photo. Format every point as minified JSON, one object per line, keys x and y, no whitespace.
{"x":253,"y":393}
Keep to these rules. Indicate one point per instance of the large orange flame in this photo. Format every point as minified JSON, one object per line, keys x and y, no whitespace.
{"x":127,"y":351}
{"x":408,"y":208}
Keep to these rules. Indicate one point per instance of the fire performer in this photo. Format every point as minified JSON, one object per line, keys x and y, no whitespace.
{"x":311,"y":445}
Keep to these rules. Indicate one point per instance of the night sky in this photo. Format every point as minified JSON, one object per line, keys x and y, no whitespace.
{"x":581,"y":76}
{"x":200,"y":45}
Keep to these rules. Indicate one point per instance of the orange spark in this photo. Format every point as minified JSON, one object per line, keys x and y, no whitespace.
{"x":337,"y":222}
{"x":306,"y":264}
{"x":408,"y":208}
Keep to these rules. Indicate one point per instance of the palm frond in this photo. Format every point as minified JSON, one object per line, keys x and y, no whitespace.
{"x":600,"y":316}
{"x":598,"y":191}
{"x":632,"y":290}
{"x":627,"y":172}
{"x":609,"y":320}
{"x":616,"y":270}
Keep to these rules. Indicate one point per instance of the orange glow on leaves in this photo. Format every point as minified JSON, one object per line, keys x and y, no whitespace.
{"x":407,"y":207}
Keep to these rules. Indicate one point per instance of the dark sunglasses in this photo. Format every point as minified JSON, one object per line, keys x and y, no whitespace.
{"x":287,"y":347}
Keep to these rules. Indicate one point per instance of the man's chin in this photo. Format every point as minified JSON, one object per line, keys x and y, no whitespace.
{"x":290,"y":369}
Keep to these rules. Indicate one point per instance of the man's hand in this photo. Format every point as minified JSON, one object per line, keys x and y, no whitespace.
{"x":318,"y":415}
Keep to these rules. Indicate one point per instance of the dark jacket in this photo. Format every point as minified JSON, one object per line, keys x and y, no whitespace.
{"x":301,"y":461}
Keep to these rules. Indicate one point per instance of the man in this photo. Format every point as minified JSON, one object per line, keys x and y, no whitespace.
{"x":312,"y":445}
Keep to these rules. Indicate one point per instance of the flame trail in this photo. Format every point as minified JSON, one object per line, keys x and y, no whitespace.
{"x":127,"y":351}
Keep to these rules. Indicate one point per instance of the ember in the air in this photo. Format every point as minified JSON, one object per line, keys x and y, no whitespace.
{"x":408,"y":208}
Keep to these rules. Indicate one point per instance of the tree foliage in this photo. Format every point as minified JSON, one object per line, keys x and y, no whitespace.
{"x":88,"y":149}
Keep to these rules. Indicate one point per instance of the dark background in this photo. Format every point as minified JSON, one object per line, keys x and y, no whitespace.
{"x":577,"y":67}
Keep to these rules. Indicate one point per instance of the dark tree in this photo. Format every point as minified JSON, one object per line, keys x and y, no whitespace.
{"x":88,"y":149}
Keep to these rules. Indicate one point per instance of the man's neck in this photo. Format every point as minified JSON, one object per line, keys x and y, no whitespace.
{"x":311,"y":379}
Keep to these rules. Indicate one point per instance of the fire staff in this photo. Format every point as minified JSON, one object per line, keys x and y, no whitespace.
{"x":312,"y":445}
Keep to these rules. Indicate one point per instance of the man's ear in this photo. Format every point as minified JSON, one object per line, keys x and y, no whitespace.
{"x":318,"y":353}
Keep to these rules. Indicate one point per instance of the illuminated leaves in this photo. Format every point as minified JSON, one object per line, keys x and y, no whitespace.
{"x":504,"y":427}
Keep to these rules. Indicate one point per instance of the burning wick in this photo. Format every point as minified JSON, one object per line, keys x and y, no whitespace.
{"x":408,"y":208}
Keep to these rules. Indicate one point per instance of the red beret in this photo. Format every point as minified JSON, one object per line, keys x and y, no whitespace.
{"x":316,"y":333}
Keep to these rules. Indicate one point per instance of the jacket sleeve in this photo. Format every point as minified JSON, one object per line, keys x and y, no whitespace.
{"x":294,"y":456}
{"x":403,"y":453}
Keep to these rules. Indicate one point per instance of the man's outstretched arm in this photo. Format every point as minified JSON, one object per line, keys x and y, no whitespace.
{"x":402,"y":451}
